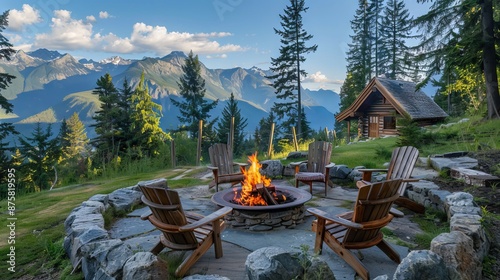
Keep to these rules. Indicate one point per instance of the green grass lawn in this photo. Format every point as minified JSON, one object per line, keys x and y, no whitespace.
{"x":40,"y":216}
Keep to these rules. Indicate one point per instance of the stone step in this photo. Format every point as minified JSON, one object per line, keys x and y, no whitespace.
{"x":474,"y":177}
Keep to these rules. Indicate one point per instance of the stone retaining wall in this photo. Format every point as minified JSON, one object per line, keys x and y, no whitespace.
{"x":90,"y":248}
{"x":454,"y":255}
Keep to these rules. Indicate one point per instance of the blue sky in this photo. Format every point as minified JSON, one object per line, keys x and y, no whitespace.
{"x":224,"y":33}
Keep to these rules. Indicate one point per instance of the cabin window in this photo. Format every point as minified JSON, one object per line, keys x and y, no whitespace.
{"x":389,"y":122}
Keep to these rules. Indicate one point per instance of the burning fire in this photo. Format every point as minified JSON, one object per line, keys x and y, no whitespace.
{"x":251,"y":178}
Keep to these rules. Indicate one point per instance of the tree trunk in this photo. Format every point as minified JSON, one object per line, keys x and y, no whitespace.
{"x":489,"y":60}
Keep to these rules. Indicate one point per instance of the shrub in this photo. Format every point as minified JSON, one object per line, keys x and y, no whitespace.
{"x":410,"y":134}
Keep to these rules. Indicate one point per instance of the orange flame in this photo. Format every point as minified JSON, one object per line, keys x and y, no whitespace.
{"x":252,"y":177}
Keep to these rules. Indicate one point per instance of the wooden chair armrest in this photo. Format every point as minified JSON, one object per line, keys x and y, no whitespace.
{"x":207,"y":219}
{"x":329,"y":217}
{"x":367,"y":173}
{"x":411,"y":180}
{"x":240,"y":164}
{"x":373,"y":170}
{"x":297,"y":163}
{"x":212,"y":167}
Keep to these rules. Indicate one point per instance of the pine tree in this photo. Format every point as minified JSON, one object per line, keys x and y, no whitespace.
{"x":194,"y":107}
{"x":6,"y":51}
{"x":6,"y":129}
{"x":223,"y":127}
{"x":396,"y":28}
{"x":287,"y":66}
{"x":124,"y":124}
{"x":375,"y":25}
{"x":359,"y":58}
{"x":76,"y":138}
{"x":145,"y":116}
{"x":41,"y":152}
{"x":106,"y":119}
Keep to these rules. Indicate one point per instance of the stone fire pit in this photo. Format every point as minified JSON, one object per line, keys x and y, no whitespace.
{"x":262,"y":218}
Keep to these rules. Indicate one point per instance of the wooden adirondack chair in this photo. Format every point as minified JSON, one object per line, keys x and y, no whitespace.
{"x":223,"y":167}
{"x":318,"y":165}
{"x":360,"y":228}
{"x":403,"y":161}
{"x":182,"y":230}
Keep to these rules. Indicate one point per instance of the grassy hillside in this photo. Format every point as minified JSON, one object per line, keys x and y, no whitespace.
{"x":40,"y":216}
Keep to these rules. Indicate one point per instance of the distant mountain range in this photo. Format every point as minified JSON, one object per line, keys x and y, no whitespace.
{"x":51,"y":86}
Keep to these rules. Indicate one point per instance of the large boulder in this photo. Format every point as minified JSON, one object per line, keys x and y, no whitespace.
{"x":421,"y":264}
{"x":457,"y":251}
{"x":124,"y":199}
{"x":144,"y":265}
{"x":272,"y":263}
{"x":105,"y":258}
{"x":471,"y":225}
{"x":461,"y":203}
{"x":271,"y":168}
{"x":340,"y":171}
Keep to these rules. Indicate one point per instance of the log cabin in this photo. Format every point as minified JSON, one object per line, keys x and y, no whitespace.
{"x":383,"y":101}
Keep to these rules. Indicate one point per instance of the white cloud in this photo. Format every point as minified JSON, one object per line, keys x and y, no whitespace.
{"x":216,"y":56}
{"x":103,"y":14}
{"x":317,"y":77}
{"x":159,"y":40}
{"x":319,"y":80}
{"x":66,"y":33}
{"x":18,"y":20}
{"x":71,"y":34}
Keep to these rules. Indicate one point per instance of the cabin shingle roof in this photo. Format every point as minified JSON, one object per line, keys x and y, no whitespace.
{"x":415,"y":102}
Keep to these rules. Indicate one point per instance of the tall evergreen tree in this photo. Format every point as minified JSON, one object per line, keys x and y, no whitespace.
{"x":125,"y":135}
{"x":287,"y":66}
{"x":396,"y":28}
{"x":375,"y":25}
{"x":107,"y":119}
{"x":148,"y":135}
{"x":41,"y":152}
{"x":75,"y":138}
{"x":458,"y":34}
{"x":6,"y":129}
{"x":223,"y":126}
{"x":194,"y":107}
{"x":6,"y":51}
{"x":359,"y":58}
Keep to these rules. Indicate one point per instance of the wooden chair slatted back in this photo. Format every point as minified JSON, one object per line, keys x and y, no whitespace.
{"x":319,"y":155}
{"x":221,"y":157}
{"x":403,"y":161}
{"x":153,"y":196}
{"x":372,"y":209}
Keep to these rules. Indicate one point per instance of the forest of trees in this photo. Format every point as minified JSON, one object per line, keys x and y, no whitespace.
{"x":456,"y":47}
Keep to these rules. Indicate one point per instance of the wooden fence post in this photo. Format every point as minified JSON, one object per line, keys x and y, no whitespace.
{"x":172,"y":153}
{"x":200,"y":137}
{"x":231,"y":135}
{"x":271,"y":135}
{"x":295,"y":144}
